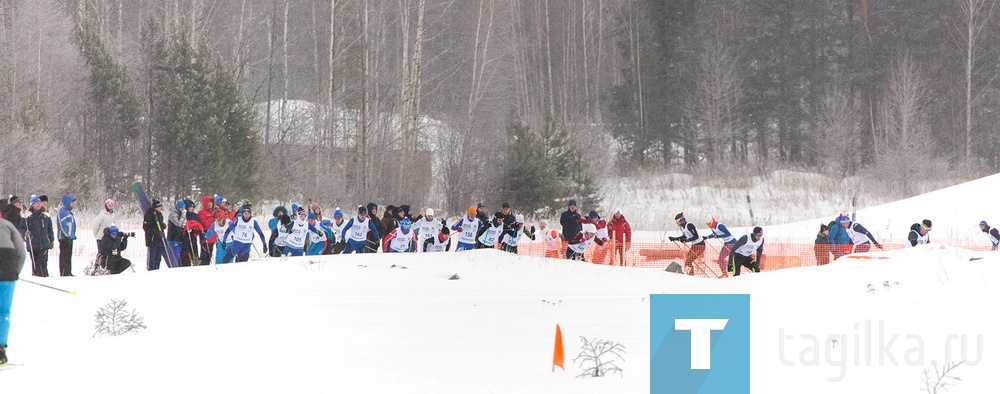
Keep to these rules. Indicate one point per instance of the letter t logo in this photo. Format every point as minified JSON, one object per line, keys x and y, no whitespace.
{"x":701,"y":338}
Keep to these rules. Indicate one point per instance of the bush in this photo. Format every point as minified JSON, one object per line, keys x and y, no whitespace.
{"x":598,"y":357}
{"x":113,"y":319}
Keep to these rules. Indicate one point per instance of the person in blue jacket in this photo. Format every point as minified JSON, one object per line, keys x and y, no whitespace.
{"x":840,"y":241}
{"x":356,"y":232}
{"x":67,"y":234}
{"x":12,"y":256}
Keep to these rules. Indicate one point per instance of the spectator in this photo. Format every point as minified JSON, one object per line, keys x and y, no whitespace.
{"x":11,"y":262}
{"x":67,"y":234}
{"x":840,"y":242}
{"x":481,"y":213}
{"x":112,"y":244}
{"x":12,"y":211}
{"x":206,"y":216}
{"x":621,"y":237}
{"x":570,"y":221}
{"x":822,"y":246}
{"x":38,"y":231}
{"x":152,"y":226}
{"x":103,"y":220}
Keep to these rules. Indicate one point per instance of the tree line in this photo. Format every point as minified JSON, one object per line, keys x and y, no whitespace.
{"x":448,"y":102}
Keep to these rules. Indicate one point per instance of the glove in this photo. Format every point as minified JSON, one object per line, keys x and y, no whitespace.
{"x":458,"y":230}
{"x":265,"y":249}
{"x":710,"y":236}
{"x":532,"y":229}
{"x":674,"y":239}
{"x":223,"y":246}
{"x":628,"y":245}
{"x":879,"y":246}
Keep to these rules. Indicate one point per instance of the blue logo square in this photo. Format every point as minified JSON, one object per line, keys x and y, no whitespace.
{"x":699,"y":343}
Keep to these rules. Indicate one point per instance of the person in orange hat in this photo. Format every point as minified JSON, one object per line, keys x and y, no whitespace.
{"x":467,"y":229}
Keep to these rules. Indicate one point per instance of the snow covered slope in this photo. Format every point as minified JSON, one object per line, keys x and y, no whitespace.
{"x":358,"y":324}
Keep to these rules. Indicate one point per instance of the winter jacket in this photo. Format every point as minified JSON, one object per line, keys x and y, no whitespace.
{"x":838,"y":234}
{"x":67,"y":221}
{"x":175,"y":225}
{"x":571,"y":226}
{"x":206,"y":216}
{"x":112,"y":243}
{"x":101,"y":222}
{"x":914,"y":237}
{"x":389,"y":222}
{"x":620,"y":229}
{"x":12,"y":252}
{"x":152,"y":225}
{"x":13,"y":215}
{"x":40,"y":226}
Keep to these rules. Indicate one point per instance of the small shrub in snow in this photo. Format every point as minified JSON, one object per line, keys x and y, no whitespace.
{"x":598,"y":357}
{"x":454,"y":277}
{"x":113,"y":319}
{"x":941,"y":379}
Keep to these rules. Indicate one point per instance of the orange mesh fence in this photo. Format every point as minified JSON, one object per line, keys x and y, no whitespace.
{"x":714,"y":260}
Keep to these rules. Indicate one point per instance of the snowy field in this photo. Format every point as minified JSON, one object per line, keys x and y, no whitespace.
{"x":358,"y":324}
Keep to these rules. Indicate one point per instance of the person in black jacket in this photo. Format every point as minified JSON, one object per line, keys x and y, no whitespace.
{"x":38,"y":232}
{"x":152,"y":226}
{"x":822,"y":246}
{"x":689,"y":234}
{"x":12,"y":211}
{"x":742,"y":254}
{"x":571,"y":221}
{"x":390,"y":219}
{"x":112,"y":245}
{"x":12,"y":255}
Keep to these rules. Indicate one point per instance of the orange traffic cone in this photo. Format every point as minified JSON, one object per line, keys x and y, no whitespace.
{"x":557,"y":355}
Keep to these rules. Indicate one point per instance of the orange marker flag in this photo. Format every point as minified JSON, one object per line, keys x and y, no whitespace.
{"x":557,"y":355}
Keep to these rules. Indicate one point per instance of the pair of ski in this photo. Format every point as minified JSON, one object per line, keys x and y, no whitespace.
{"x":139,"y":191}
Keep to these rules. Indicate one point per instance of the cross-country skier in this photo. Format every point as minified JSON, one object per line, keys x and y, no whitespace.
{"x":993,"y":233}
{"x":297,"y":232}
{"x":243,"y":230}
{"x":720,"y":231}
{"x":600,"y":252}
{"x":553,"y":240}
{"x":578,"y":245}
{"x":439,"y":243}
{"x":742,"y":254}
{"x":356,"y":232}
{"x":860,"y":236}
{"x":919,"y":233}
{"x":427,"y":228}
{"x":12,"y":256}
{"x":400,"y":239}
{"x":489,"y":234}
{"x":317,"y":241}
{"x":467,"y":228}
{"x":337,"y":227}
{"x":513,"y":235}
{"x":281,"y":240}
{"x":272,"y":225}
{"x":219,"y":229}
{"x":689,"y":234}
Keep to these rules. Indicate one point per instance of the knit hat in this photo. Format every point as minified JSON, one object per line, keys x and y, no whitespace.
{"x":219,"y":199}
{"x":315,"y":207}
{"x":312,"y":216}
{"x":43,"y":198}
{"x":156,"y":204}
{"x":618,"y":210}
{"x":188,"y":203}
{"x":823,"y":227}
{"x":589,"y":228}
{"x":362,"y":210}
{"x":519,"y":218}
{"x":428,"y":212}
{"x":927,"y":224}
{"x":982,"y":223}
{"x":844,"y":218}
{"x":498,"y":215}
{"x":505,"y":205}
{"x":279,"y":210}
{"x":13,"y":199}
{"x":713,"y":223}
{"x":179,"y":204}
{"x":758,"y":230}
{"x":113,"y":229}
{"x":480,"y":205}
{"x":34,"y":200}
{"x":391,"y":209}
{"x":372,"y":207}
{"x":543,"y":223}
{"x":405,"y":209}
{"x":679,"y":216}
{"x":472,"y":210}
{"x":327,"y":222}
{"x":571,"y":203}
{"x":295,"y":207}
{"x":338,"y":214}
{"x":594,"y":215}
{"x":405,"y":223}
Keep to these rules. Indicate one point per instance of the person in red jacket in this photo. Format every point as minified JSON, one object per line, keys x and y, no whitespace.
{"x":621,"y":237}
{"x":206,"y":216}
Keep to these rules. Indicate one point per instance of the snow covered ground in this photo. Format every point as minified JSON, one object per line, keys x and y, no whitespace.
{"x":357,"y":324}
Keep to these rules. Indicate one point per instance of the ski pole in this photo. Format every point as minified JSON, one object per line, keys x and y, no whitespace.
{"x":47,"y":286}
